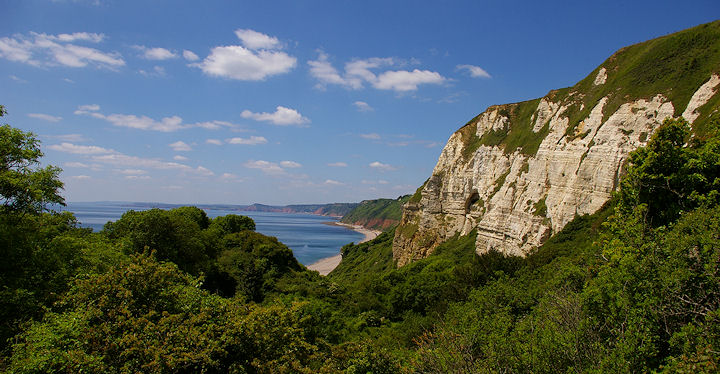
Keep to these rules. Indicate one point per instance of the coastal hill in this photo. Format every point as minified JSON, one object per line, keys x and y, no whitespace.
{"x":518,"y":173}
{"x":378,"y":214}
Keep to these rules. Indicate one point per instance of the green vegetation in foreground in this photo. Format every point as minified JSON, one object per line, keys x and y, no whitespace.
{"x":674,"y":66}
{"x":379,"y":214}
{"x":632,"y":288}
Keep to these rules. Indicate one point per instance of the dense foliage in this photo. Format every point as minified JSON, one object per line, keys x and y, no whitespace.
{"x":634,"y":287}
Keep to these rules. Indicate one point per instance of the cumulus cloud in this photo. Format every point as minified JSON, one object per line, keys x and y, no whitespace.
{"x":257,"y":59}
{"x":43,"y":50}
{"x":256,"y":40}
{"x":337,"y":164}
{"x":45,"y":117}
{"x":290,"y":164}
{"x":282,"y":117}
{"x":253,"y":140}
{"x":475,"y":71}
{"x":156,"y":53}
{"x":363,"y":106}
{"x":180,"y":146}
{"x":190,"y":55}
{"x":382,"y":167}
{"x":364,"y":71}
{"x":180,"y":158}
{"x":213,"y":141}
{"x":79,"y":149}
{"x":80,"y":177}
{"x":406,"y":80}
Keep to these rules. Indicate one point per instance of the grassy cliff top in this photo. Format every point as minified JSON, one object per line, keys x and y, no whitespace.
{"x":675,"y":66}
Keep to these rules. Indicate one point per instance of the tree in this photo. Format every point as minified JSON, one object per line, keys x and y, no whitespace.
{"x":24,"y":186}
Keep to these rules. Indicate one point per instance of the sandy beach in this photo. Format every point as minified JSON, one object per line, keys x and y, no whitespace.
{"x":326,"y":265}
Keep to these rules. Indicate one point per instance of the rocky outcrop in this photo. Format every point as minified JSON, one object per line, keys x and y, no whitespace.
{"x":518,"y":197}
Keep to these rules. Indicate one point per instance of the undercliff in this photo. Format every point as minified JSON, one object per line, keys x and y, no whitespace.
{"x":518,"y":173}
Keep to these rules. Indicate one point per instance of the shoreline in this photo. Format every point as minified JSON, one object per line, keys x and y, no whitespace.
{"x":325,"y":265}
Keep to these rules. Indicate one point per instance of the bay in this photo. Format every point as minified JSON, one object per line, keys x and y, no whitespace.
{"x":309,"y":236}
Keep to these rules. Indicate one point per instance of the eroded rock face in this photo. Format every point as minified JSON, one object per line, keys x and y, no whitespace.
{"x":517,"y":200}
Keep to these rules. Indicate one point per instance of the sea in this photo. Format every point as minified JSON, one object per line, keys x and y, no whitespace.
{"x":309,"y":236}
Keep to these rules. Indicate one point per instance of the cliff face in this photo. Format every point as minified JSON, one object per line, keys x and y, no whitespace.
{"x":519,"y":172}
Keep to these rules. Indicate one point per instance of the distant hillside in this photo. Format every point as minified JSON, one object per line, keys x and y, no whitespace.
{"x":333,"y":210}
{"x":379,"y":214}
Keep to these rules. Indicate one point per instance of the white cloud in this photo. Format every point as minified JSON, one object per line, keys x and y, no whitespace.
{"x":282,"y":116}
{"x":43,"y":50}
{"x":475,"y":71}
{"x":119,"y":159}
{"x":228,"y":176}
{"x":84,"y":36}
{"x":256,"y":40}
{"x":290,"y":164}
{"x":371,"y":136}
{"x":89,"y":108}
{"x":17,"y":79}
{"x":256,"y":60}
{"x":79,"y":149}
{"x":213,"y":141}
{"x":137,"y":177}
{"x":80,"y":177}
{"x":214,"y":125}
{"x":180,"y":146}
{"x":156,"y":53}
{"x":364,"y":181}
{"x":68,"y":80}
{"x":331,"y":182}
{"x":70,"y":138}
{"x":167,"y":124}
{"x":76,"y":165}
{"x":406,"y":80}
{"x":360,"y":71}
{"x":253,"y":140}
{"x":204,"y":171}
{"x":45,"y":117}
{"x":132,"y":171}
{"x":326,"y":73}
{"x":190,"y":55}
{"x":157,"y":71}
{"x":266,"y":167}
{"x":338,"y":164}
{"x":363,"y":106}
{"x":382,"y":167}
{"x":180,"y":158}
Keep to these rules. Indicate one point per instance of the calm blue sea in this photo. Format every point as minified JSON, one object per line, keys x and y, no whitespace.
{"x":307,"y":235}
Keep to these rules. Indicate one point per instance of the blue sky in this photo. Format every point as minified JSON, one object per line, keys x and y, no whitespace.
{"x":283,"y":102}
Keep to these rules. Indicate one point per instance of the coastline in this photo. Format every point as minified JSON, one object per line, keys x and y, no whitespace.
{"x":326,"y":265}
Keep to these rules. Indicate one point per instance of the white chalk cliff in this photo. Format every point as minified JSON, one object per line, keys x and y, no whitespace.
{"x":517,"y":198}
